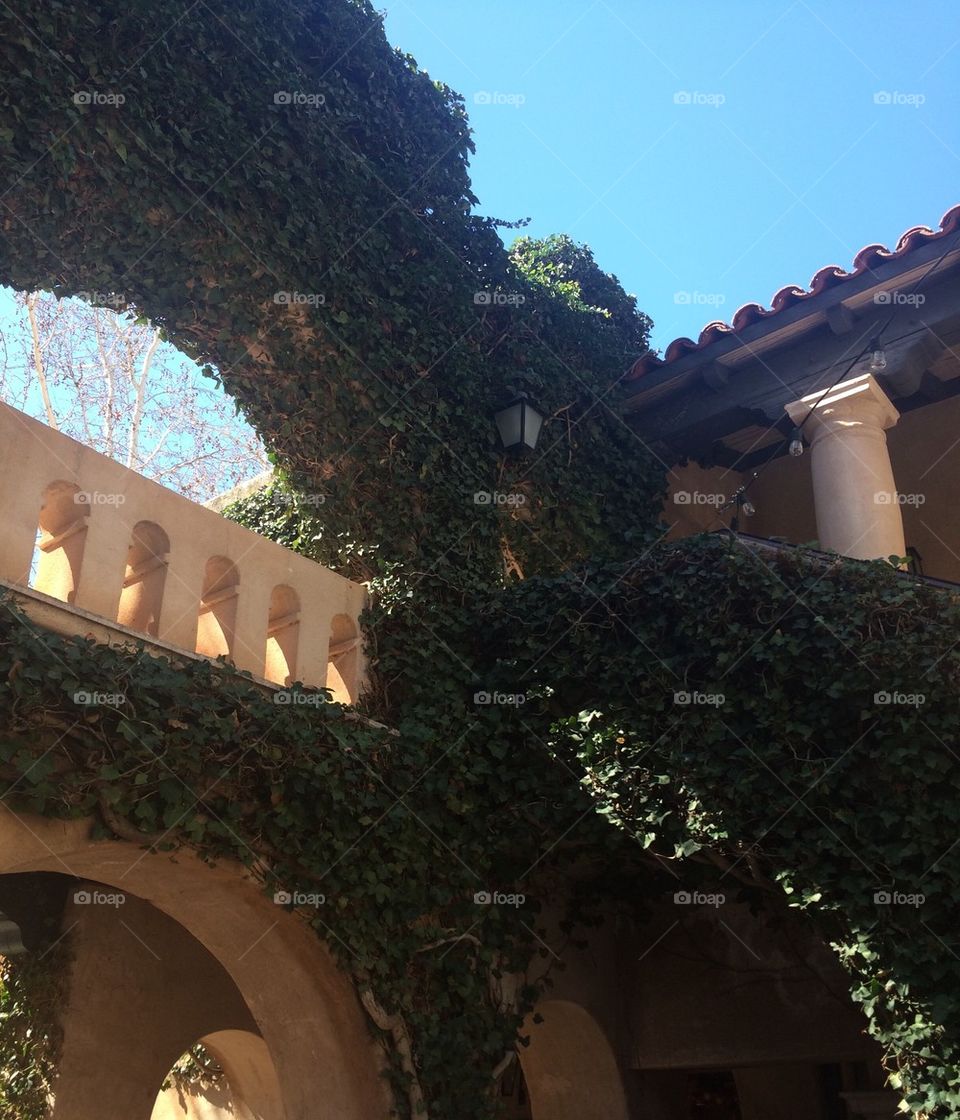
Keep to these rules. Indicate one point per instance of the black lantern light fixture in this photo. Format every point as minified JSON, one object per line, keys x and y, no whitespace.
{"x":519,"y":425}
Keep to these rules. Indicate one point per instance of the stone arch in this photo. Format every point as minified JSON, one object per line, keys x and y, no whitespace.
{"x":142,"y":596}
{"x":283,"y":635}
{"x":217,"y":617}
{"x":61,"y":536}
{"x":343,"y":659}
{"x":570,"y":1068}
{"x":299,"y":1002}
{"x":251,"y":1092}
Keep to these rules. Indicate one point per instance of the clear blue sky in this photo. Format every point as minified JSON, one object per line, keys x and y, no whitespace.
{"x":812,"y":128}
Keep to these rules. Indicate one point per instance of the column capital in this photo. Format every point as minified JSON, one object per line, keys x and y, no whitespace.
{"x":856,"y":403}
{"x":854,"y":490}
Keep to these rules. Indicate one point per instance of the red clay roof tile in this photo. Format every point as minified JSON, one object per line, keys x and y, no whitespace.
{"x":870,"y":257}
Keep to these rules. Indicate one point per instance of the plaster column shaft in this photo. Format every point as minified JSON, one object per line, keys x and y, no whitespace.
{"x":858,"y":512}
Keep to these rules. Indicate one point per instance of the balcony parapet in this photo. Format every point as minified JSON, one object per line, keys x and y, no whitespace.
{"x":116,"y":548}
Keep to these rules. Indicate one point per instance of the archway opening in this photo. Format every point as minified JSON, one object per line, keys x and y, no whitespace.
{"x":167,"y":951}
{"x":569,"y":1066}
{"x":217,"y":618}
{"x":343,"y":659}
{"x":283,"y":635}
{"x":226,"y":1075}
{"x":143,"y":582}
{"x":61,"y":536}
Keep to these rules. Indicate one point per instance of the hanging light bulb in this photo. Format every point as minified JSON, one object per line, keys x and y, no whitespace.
{"x":878,"y":358}
{"x":749,"y":509}
{"x":796,"y":443}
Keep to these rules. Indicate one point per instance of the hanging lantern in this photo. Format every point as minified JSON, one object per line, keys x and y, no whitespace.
{"x":519,"y":425}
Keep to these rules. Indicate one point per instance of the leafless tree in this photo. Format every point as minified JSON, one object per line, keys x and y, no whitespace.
{"x":112,"y":383}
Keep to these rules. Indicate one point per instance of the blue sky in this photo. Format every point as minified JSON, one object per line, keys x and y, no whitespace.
{"x":709,"y":153}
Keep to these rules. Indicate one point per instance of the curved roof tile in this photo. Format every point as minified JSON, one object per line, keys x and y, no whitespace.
{"x":869,"y":257}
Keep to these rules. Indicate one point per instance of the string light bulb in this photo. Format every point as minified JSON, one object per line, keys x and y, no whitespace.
{"x":878,"y":358}
{"x":796,"y":443}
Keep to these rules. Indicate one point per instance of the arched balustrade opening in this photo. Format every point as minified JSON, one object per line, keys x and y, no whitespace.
{"x":61,"y":536}
{"x":343,"y":659}
{"x":143,"y":582}
{"x":217,"y":618}
{"x":283,"y":635}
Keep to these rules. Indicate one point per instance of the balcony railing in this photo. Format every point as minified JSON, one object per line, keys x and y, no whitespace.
{"x":775,"y":544}
{"x":96,"y":541}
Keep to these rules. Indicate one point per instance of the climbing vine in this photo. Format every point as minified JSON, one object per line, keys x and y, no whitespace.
{"x":31,"y":998}
{"x":789,"y":726}
{"x":323,"y":799}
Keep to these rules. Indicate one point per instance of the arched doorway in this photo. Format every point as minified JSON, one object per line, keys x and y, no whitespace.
{"x":569,"y":1067}
{"x":227,"y":1075}
{"x":258,"y":967}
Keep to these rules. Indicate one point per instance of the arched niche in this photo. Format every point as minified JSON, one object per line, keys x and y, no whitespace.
{"x":343,"y":659}
{"x":61,"y":536}
{"x":142,"y":596}
{"x":217,"y":616}
{"x":569,"y":1066}
{"x":283,"y":635}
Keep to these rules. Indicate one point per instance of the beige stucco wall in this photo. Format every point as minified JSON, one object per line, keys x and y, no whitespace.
{"x":696,"y":497}
{"x":925,"y":452}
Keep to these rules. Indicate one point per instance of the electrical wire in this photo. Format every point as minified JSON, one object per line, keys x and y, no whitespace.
{"x":738,"y":498}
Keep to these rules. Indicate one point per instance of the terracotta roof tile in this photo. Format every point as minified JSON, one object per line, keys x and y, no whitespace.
{"x":870,"y":257}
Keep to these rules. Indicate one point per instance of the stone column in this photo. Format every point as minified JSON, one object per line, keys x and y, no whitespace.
{"x":858,"y":512}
